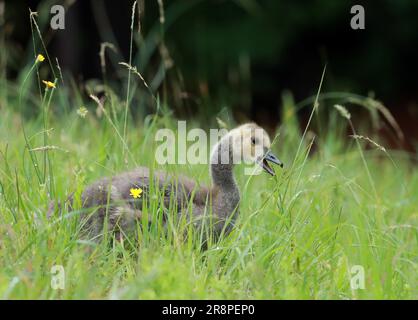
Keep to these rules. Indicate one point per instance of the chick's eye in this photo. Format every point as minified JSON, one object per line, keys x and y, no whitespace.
{"x":253,"y":140}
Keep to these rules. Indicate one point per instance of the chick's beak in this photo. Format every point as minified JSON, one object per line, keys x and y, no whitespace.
{"x":270,"y":157}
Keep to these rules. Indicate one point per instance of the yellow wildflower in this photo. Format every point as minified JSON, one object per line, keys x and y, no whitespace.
{"x":82,"y":112}
{"x":40,"y":58}
{"x":49,"y":84}
{"x":136,"y":192}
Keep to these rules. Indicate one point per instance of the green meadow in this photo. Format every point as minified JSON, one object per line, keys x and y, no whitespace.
{"x":298,"y":236}
{"x":339,"y":221}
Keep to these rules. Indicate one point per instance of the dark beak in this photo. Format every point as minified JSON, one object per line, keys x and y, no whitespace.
{"x":270,"y":157}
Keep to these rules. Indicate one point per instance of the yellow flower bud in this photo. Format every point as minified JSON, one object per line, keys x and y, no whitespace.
{"x":40,"y":58}
{"x":48,"y":84}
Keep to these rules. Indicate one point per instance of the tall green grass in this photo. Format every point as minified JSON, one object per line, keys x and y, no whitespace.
{"x":339,"y":202}
{"x":298,"y":234}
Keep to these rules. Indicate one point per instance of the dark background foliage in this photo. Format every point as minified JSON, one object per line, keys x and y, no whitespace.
{"x":240,"y":53}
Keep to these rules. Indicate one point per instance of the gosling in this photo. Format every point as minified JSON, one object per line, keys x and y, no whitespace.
{"x":109,"y":206}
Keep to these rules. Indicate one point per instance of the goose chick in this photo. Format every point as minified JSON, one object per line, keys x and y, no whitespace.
{"x":116,"y":210}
